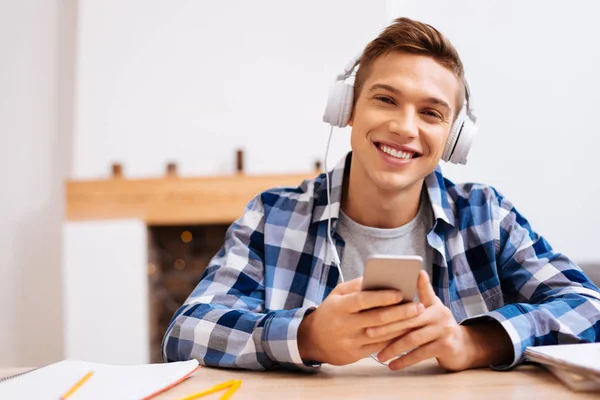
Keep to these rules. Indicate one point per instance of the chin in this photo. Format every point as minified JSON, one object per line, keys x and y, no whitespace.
{"x":392,"y":181}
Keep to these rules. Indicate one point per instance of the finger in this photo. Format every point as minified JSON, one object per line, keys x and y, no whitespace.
{"x":391,"y":336}
{"x":426,"y":293}
{"x":427,"y":317}
{"x":376,"y":347}
{"x":387,"y":315}
{"x":410,"y":341}
{"x":430,"y":350}
{"x":365,"y":300}
{"x":348,"y":287}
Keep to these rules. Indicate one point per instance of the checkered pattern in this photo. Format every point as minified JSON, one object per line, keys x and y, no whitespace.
{"x":274,"y":268}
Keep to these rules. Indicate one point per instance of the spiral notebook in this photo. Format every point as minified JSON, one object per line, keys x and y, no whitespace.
{"x":107,"y":382}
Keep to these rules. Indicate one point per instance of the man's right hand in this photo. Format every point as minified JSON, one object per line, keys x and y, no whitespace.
{"x":335,"y":333}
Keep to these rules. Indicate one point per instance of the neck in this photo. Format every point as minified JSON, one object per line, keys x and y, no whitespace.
{"x":369,"y":205}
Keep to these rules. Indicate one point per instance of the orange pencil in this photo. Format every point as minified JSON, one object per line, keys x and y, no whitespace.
{"x":77,"y":385}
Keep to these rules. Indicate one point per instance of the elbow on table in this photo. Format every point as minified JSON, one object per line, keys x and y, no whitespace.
{"x":179,"y":343}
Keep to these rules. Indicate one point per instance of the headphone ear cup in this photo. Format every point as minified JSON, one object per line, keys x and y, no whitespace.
{"x":453,"y":136}
{"x":339,"y":104}
{"x":464,"y":142}
{"x":460,"y":139}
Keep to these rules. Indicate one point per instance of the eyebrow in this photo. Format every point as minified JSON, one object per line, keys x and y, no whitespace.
{"x":431,"y":100}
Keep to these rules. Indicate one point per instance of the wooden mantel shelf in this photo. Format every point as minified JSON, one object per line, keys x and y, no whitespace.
{"x":171,"y":200}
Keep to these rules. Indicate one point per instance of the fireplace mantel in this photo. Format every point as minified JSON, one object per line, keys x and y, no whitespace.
{"x":171,"y":200}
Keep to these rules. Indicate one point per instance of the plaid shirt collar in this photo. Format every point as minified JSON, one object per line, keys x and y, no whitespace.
{"x":434,"y":182}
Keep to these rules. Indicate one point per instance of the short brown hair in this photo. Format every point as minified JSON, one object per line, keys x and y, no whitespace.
{"x":410,"y":36}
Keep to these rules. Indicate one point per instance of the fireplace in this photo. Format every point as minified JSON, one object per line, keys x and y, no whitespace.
{"x":178,"y":256}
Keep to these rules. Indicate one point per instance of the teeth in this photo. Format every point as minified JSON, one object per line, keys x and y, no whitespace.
{"x":395,"y":153}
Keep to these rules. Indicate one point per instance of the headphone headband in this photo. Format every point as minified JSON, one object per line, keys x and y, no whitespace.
{"x":469,"y":101}
{"x":349,"y":68}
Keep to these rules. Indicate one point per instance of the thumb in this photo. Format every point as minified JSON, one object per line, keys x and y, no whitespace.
{"x":348,"y":287}
{"x":426,"y":293}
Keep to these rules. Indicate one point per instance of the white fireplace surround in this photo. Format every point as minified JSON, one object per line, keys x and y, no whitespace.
{"x":106,"y":314}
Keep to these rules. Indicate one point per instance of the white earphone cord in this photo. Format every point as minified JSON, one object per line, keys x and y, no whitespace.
{"x":336,"y":259}
{"x":336,"y":262}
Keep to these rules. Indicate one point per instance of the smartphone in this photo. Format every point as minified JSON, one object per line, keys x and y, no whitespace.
{"x":393,"y":272}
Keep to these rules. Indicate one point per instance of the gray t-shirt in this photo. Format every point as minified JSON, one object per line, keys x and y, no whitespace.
{"x":364,"y":241}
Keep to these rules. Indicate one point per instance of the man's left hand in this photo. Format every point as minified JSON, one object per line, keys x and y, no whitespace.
{"x":436,"y":334}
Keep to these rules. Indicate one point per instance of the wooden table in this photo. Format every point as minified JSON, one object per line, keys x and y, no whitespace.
{"x":367,"y":379}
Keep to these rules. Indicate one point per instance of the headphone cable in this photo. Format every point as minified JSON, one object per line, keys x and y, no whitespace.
{"x":336,"y":259}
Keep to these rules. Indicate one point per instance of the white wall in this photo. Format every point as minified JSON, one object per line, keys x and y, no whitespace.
{"x":533,"y":67}
{"x":36,"y":67}
{"x":158,"y":79}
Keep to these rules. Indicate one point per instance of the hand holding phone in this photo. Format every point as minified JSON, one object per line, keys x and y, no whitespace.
{"x":335,"y":332}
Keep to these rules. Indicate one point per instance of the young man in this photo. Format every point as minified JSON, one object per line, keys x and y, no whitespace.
{"x":271,"y":299}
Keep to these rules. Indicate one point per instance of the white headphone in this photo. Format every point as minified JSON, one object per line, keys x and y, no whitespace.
{"x":339,"y":108}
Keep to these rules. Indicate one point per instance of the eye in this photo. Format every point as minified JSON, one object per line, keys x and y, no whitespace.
{"x":385,"y":99}
{"x":433,"y":114}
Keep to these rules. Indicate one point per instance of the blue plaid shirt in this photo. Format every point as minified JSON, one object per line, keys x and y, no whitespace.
{"x":274,"y":268}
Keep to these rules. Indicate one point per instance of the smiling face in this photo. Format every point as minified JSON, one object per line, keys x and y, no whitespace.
{"x":401,"y":120}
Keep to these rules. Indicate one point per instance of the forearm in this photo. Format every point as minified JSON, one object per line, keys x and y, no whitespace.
{"x":569,"y":318}
{"x":489,"y":344}
{"x":231,"y":338}
{"x":216,"y":336}
{"x":306,"y":348}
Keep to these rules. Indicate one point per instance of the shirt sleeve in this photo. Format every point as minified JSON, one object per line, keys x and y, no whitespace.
{"x":548,"y":298}
{"x":223,"y":322}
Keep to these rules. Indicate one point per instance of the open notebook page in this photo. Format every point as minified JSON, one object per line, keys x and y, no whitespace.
{"x":107,"y":382}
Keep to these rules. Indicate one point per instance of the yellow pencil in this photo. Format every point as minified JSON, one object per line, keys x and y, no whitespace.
{"x":77,"y":385}
{"x":216,"y":388}
{"x":231,"y":390}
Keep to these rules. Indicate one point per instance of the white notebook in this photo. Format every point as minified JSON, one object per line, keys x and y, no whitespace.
{"x":576,"y":365}
{"x":125,"y":382}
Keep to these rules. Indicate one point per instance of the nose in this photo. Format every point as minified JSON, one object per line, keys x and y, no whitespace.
{"x":404,"y":124}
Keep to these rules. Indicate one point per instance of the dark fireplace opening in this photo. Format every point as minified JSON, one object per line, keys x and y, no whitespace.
{"x":178,"y":256}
